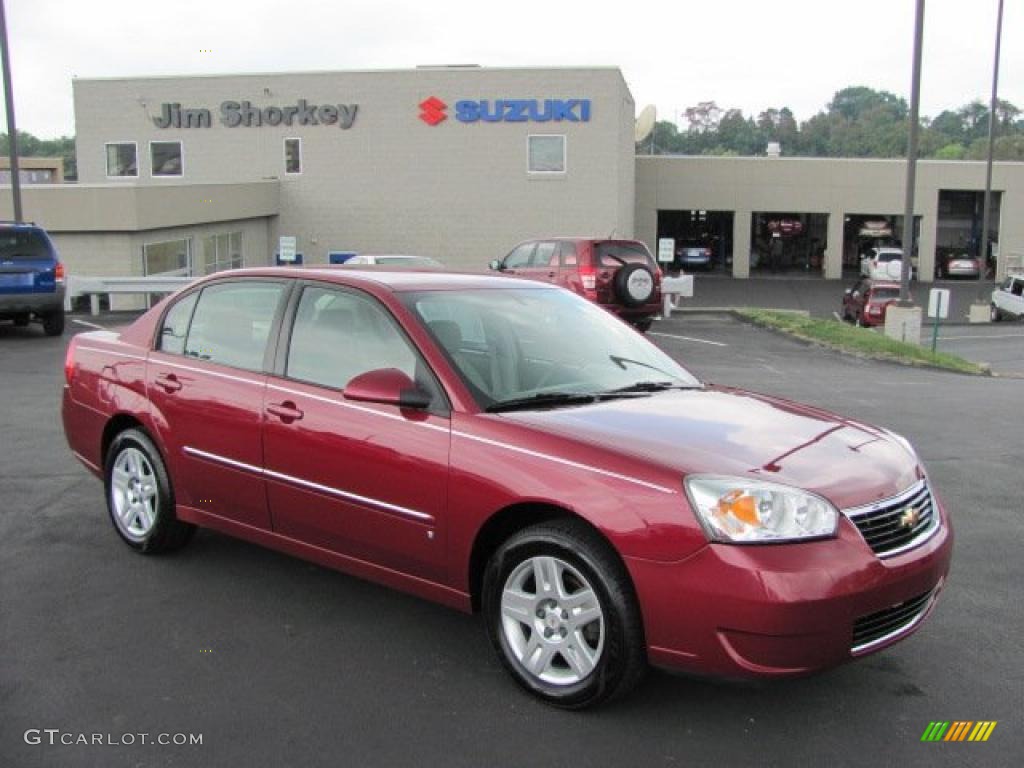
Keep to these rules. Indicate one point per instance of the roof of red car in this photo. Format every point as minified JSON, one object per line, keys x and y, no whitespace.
{"x":395,"y":279}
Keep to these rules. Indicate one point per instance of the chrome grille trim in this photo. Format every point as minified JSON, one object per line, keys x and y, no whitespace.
{"x":879,"y":522}
{"x":891,"y":622}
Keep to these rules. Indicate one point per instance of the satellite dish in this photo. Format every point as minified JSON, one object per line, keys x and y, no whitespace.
{"x":645,"y":123}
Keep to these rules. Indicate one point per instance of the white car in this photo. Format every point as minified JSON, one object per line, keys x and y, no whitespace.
{"x":1008,"y":299}
{"x":883,"y":264}
{"x":394,"y":260}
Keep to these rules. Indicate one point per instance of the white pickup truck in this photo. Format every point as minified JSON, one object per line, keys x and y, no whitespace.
{"x":1008,"y":298}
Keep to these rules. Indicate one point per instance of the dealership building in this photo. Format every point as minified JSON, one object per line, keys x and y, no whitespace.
{"x":188,"y":175}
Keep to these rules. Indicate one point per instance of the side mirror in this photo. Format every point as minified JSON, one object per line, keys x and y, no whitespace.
{"x":388,"y":386}
{"x":495,"y":265}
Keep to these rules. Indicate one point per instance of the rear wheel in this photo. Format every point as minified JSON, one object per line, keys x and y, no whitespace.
{"x":561,"y":614}
{"x":21,"y":321}
{"x":994,"y":314}
{"x":140,"y":498}
{"x":643,"y":325}
{"x":53,"y":323}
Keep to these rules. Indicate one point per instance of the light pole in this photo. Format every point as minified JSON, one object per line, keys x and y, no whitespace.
{"x":12,"y":131}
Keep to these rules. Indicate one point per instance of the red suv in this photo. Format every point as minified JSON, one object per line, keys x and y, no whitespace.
{"x":866,"y":302}
{"x":620,"y":275}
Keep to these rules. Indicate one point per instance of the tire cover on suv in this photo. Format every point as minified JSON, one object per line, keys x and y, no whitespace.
{"x":634,"y":285}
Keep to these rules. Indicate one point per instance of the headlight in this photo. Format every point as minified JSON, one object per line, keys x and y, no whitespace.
{"x":740,"y":511}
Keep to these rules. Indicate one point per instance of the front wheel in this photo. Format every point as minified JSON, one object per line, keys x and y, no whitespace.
{"x":994,"y":314}
{"x":140,"y":498}
{"x":562,"y":616}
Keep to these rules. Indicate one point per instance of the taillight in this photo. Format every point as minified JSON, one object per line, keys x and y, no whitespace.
{"x":58,"y":272}
{"x":69,"y":363}
{"x":588,"y":276}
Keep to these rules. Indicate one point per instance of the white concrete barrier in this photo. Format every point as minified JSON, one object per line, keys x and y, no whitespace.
{"x":94,"y":287}
{"x":672,"y":290}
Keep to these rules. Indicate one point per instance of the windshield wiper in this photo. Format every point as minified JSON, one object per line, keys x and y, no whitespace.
{"x":540,"y":400}
{"x":650,"y":386}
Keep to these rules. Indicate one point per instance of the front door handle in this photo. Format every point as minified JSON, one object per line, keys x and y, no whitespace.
{"x":552,"y":274}
{"x":168,"y":381}
{"x":286,"y":411}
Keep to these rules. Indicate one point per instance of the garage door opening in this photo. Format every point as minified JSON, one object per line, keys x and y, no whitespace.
{"x":958,"y":232}
{"x":788,"y":243}
{"x":864,"y":231}
{"x":702,"y":240}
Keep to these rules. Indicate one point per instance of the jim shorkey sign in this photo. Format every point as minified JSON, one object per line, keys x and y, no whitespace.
{"x":234,"y":114}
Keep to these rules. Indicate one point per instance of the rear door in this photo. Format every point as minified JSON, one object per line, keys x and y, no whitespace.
{"x":27,"y":261}
{"x":206,"y":382}
{"x":366,"y":480}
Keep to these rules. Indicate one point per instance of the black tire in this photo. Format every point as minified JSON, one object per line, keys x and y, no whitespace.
{"x":53,"y":323}
{"x":994,"y":314}
{"x":622,"y":661}
{"x":167,"y":532}
{"x":20,"y":321}
{"x":621,"y":285}
{"x":643,"y":325}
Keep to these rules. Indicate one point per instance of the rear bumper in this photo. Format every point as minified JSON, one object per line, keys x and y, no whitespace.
{"x":19,"y":303}
{"x":782,"y":610}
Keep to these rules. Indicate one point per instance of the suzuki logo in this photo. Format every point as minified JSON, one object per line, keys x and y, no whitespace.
{"x":432,"y":111}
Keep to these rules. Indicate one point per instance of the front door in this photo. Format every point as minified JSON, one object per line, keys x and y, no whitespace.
{"x":366,"y":480}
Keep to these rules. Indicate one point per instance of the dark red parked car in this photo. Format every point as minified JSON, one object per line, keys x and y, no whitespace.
{"x":866,"y":302}
{"x":619,"y":275}
{"x":505,"y":446}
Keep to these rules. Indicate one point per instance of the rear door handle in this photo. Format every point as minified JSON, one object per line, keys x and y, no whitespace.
{"x":168,"y":381}
{"x":286,"y":411}
{"x":552,"y":274}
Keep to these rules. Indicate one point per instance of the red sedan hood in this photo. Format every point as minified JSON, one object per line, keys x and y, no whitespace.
{"x":723,"y":431}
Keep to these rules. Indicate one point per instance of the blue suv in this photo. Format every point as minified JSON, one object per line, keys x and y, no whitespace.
{"x":31,"y":277}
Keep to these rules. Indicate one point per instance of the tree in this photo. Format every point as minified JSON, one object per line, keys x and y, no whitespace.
{"x":30,"y":146}
{"x":703,"y":117}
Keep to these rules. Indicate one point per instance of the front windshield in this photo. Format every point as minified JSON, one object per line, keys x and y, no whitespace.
{"x":514,"y":343}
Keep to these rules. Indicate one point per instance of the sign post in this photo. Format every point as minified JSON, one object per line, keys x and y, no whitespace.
{"x":938,"y":309}
{"x":666,"y":249}
{"x":286,"y":248}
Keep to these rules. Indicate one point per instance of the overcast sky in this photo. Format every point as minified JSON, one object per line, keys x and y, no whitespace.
{"x":743,"y":54}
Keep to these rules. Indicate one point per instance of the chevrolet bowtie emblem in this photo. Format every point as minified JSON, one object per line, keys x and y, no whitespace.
{"x":910,"y":517}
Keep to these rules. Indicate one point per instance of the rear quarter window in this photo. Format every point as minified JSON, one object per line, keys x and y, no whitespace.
{"x":24,"y":245}
{"x":620,"y":254}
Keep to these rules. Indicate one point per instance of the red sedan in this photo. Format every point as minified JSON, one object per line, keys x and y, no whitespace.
{"x":506,"y":446}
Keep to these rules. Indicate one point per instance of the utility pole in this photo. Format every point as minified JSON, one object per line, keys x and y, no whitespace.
{"x":12,"y":131}
{"x":915,"y":120}
{"x":987,"y":205}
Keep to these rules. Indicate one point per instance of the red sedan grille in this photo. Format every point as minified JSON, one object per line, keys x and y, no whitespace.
{"x":898,"y":524}
{"x":877,"y":627}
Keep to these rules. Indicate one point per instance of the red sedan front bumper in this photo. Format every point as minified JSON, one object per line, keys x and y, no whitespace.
{"x":787,"y":609}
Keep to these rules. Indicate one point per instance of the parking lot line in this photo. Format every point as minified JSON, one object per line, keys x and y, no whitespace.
{"x":687,"y":338}
{"x":88,"y":324}
{"x":992,"y":336}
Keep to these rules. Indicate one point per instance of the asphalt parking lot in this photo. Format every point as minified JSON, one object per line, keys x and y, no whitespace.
{"x":279,"y":662}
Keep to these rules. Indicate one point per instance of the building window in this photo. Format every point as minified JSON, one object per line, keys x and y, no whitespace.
{"x":222,"y":252}
{"x":122,"y":159}
{"x":170,"y":257}
{"x":546,"y":154}
{"x":293,"y":156}
{"x":166,"y":158}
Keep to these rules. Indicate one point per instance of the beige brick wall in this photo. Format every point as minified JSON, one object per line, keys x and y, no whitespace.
{"x":460,"y":192}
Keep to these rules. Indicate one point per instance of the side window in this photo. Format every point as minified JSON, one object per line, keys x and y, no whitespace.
{"x":175,"y":326}
{"x":544,"y":254}
{"x":339,"y":335}
{"x":1018,"y":287}
{"x":568,"y":254}
{"x":520,"y":257}
{"x":231,"y":323}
